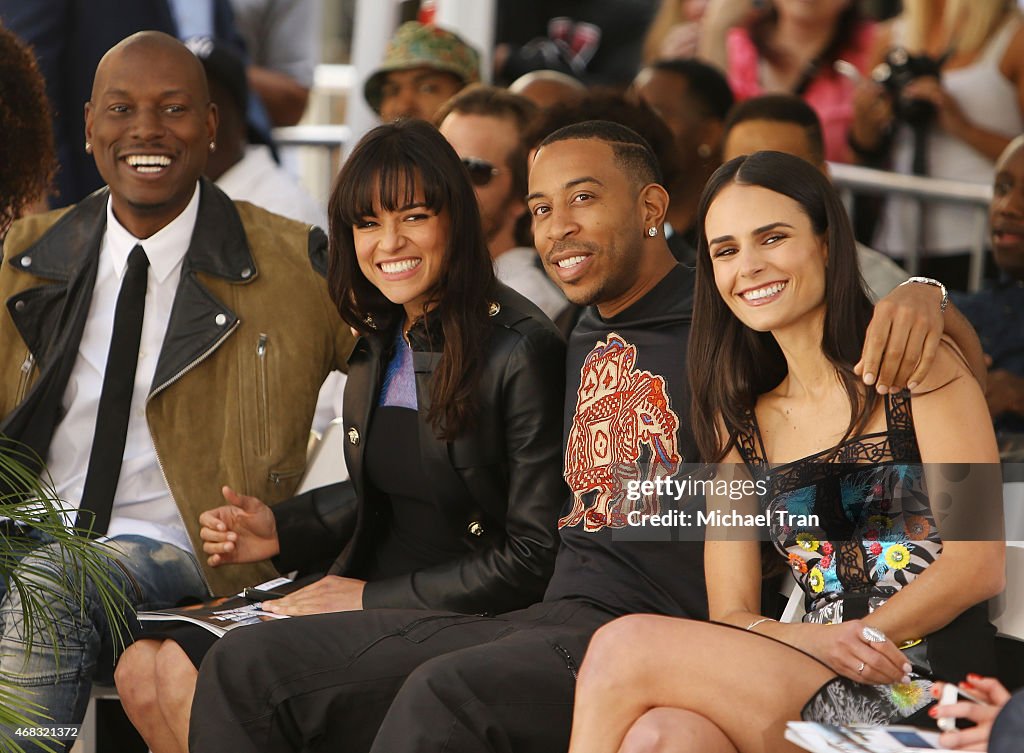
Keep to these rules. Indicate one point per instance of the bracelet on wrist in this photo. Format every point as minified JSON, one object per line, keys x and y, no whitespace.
{"x":935,"y":284}
{"x":755,"y":623}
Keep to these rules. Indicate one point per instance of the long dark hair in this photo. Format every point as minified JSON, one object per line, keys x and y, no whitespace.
{"x":843,"y":34}
{"x":384,"y":169}
{"x":730,"y":365}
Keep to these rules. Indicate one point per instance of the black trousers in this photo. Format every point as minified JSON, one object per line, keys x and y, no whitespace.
{"x":392,"y":680}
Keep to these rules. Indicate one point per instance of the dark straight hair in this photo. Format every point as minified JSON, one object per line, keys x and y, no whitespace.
{"x":780,"y":108}
{"x":730,"y":365}
{"x":844,"y":33}
{"x":382,"y":174}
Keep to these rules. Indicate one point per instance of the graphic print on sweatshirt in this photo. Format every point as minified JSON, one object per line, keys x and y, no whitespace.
{"x":623,"y":430}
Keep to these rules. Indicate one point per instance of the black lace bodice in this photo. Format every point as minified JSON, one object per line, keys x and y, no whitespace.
{"x":870,"y":529}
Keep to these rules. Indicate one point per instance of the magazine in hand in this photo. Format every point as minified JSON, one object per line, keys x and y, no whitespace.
{"x":824,"y":738}
{"x":223,"y":614}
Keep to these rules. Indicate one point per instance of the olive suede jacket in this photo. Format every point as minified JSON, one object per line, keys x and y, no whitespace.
{"x":500,"y":485}
{"x":251,"y":337}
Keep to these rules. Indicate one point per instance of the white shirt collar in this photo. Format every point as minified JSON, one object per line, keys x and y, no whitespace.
{"x":165,"y":248}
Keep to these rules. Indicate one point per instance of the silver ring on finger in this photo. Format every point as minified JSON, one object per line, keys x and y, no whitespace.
{"x":872,"y":635}
{"x":860,"y":668}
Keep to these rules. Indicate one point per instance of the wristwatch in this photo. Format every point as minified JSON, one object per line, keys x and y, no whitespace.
{"x":934,"y":284}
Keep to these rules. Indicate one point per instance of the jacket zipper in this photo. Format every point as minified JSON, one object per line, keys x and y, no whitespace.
{"x":192,"y":364}
{"x":156,"y":448}
{"x":570,"y":663}
{"x":262,"y":399}
{"x":26,"y":370}
{"x":278,"y":476}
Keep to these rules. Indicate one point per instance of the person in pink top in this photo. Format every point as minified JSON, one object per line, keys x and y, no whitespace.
{"x":791,"y":46}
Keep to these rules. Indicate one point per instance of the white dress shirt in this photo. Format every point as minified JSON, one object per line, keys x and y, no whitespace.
{"x":256,"y":178}
{"x":193,"y":18}
{"x":142,"y":503}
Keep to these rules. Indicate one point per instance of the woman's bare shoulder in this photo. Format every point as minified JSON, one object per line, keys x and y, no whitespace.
{"x":949,"y":365}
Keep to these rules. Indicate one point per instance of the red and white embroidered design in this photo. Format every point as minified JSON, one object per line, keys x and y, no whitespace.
{"x":619,"y":411}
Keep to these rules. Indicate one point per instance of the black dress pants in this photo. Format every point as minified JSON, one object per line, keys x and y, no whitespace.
{"x":391,"y":680}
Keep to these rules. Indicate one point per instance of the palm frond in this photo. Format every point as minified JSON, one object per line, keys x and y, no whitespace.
{"x":42,"y":576}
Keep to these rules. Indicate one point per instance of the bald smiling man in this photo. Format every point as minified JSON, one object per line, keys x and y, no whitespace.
{"x":162,"y":341}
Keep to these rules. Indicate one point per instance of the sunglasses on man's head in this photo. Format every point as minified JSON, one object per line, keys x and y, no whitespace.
{"x":480,"y":171}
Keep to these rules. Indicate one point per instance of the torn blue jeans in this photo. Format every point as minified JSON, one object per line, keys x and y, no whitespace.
{"x":150,"y":573}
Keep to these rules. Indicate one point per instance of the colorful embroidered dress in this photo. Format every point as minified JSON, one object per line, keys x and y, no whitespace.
{"x":875,"y":534}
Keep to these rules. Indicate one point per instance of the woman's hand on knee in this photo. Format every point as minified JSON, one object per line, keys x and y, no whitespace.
{"x":845,"y":648}
{"x":332,"y":593}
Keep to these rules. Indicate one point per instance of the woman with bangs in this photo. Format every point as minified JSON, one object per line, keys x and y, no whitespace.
{"x":894,"y":587}
{"x":452,"y":414}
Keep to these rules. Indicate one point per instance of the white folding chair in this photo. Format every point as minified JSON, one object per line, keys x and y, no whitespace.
{"x":326,"y":462}
{"x":794,"y":608}
{"x":1007,"y":610}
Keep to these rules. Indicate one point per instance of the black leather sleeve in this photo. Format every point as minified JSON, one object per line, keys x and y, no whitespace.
{"x":317,"y":246}
{"x":511,"y":567}
{"x":313,"y":527}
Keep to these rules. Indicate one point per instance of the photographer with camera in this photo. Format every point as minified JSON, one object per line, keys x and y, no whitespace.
{"x":946,"y":96}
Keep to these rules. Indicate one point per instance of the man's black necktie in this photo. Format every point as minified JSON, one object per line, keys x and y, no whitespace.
{"x":115,"y":398}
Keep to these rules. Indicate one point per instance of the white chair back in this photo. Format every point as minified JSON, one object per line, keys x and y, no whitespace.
{"x":1007,"y":610}
{"x":794,"y":609}
{"x":326,"y":463}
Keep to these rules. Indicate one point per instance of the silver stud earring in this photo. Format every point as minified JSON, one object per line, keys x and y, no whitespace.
{"x":213,"y":145}
{"x":88,"y":147}
{"x":652,"y":231}
{"x":704,"y":150}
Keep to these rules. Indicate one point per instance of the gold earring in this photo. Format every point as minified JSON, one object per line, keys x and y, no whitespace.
{"x":213,"y":145}
{"x":88,"y":147}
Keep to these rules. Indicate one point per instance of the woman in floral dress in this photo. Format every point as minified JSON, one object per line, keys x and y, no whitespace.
{"x":886,"y":507}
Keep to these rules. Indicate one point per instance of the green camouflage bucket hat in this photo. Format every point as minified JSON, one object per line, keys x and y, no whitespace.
{"x":415,"y":45}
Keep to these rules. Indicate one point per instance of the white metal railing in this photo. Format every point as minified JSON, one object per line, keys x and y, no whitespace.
{"x":313,"y":153}
{"x":326,"y":136}
{"x":334,"y":78}
{"x":854,"y":179}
